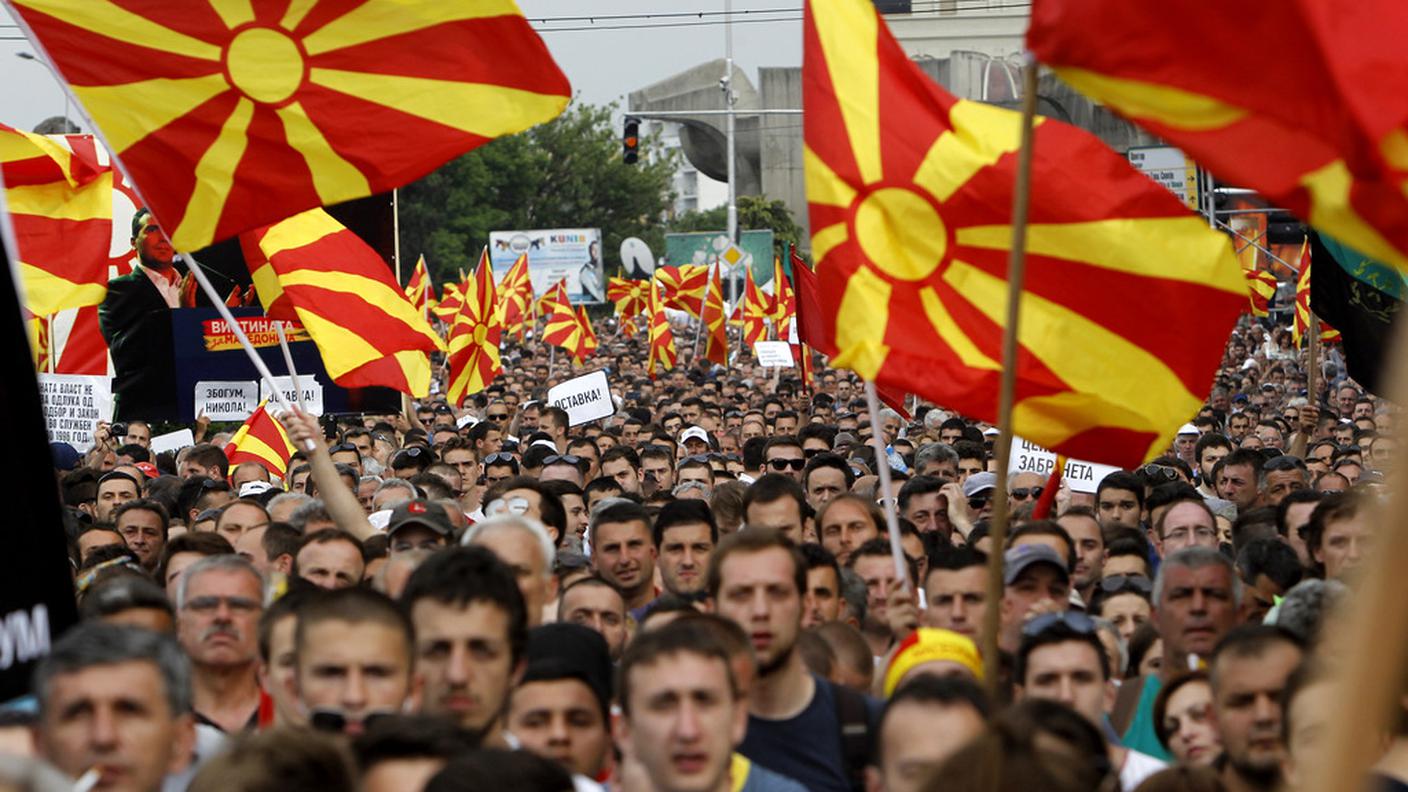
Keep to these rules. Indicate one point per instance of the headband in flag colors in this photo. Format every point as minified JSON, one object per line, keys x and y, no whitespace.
{"x":909,"y":193}
{"x":232,"y":115}
{"x":311,"y":270}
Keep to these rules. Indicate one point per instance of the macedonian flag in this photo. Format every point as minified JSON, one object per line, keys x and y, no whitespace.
{"x":715,"y":329}
{"x":754,"y":311}
{"x":451,"y":301}
{"x":630,"y":296}
{"x":60,"y":203}
{"x":262,"y":440}
{"x":784,"y":303}
{"x":474,"y":337}
{"x":1261,"y":289}
{"x":1320,"y":127}
{"x":682,"y":287}
{"x":563,"y":327}
{"x":589,"y":343}
{"x":910,"y":192}
{"x":419,"y":289}
{"x":231,"y":115}
{"x":1300,"y":325}
{"x":516,"y":297}
{"x":662,"y":353}
{"x":312,"y":270}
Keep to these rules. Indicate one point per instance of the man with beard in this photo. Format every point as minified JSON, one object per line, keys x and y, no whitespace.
{"x":758,"y":580}
{"x":470,"y":629}
{"x":1249,"y":671}
{"x":218,"y":604}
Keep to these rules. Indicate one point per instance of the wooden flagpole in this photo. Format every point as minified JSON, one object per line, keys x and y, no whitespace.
{"x":1016,"y":273}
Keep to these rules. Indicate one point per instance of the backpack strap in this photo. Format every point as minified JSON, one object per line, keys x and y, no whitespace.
{"x":853,"y":716}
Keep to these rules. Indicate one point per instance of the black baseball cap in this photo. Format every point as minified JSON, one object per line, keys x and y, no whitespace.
{"x":427,"y":514}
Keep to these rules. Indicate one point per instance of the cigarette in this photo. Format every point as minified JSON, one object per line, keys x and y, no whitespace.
{"x":87,"y":781}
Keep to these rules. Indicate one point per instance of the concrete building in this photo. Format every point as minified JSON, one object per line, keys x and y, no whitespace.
{"x":694,"y":191}
{"x":971,"y":47}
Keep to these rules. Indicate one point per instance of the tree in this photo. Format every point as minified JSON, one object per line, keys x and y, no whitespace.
{"x":755,"y":212}
{"x":567,"y":173}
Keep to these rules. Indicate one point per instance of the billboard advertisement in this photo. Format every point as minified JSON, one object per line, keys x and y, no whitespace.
{"x":554,"y":254}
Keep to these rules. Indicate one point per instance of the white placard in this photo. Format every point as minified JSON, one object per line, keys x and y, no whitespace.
{"x":73,"y":406}
{"x":1169,"y":167}
{"x":774,"y":353}
{"x":1084,"y":477}
{"x":226,"y":401}
{"x":173,"y":441}
{"x":585,"y":398}
{"x":312,"y":392}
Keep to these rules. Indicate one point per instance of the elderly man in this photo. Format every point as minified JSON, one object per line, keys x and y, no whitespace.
{"x":218,"y":604}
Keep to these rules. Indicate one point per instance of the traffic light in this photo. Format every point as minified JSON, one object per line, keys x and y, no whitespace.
{"x":630,"y":141}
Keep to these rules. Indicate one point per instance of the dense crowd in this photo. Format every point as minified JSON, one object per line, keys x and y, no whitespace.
{"x":699,"y":593}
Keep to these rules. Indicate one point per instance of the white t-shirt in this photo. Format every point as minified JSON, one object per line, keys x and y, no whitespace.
{"x":1137,"y":767}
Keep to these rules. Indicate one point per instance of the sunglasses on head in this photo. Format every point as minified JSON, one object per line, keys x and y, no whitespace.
{"x":340,"y":447}
{"x":1117,"y":584}
{"x":499,"y":458}
{"x":1027,"y":493}
{"x":1074,"y":620}
{"x":570,"y":459}
{"x":1158,"y":472}
{"x":783,"y":464}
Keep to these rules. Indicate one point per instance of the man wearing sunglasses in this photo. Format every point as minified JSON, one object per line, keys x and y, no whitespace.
{"x":1025,"y":487}
{"x":784,"y":455}
{"x":1061,"y":659}
{"x":354,"y":660}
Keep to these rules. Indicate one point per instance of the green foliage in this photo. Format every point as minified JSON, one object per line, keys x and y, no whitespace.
{"x":566,"y":173}
{"x":755,"y":212}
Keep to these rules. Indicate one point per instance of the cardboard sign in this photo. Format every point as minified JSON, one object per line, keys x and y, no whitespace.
{"x":226,"y":400}
{"x":73,"y":406}
{"x":312,"y":392}
{"x":173,"y":441}
{"x":1084,"y":477}
{"x":585,"y":398}
{"x":774,"y":353}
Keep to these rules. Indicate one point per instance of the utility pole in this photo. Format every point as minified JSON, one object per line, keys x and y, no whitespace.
{"x":730,"y":98}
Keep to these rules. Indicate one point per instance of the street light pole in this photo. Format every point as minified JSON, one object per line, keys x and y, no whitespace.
{"x":729,"y":99}
{"x":29,"y":56}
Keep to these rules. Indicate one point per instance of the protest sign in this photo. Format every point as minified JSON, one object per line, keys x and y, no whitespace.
{"x":774,"y":353}
{"x":173,"y":441}
{"x":73,"y":406}
{"x":1081,"y":476}
{"x":585,"y":398}
{"x":311,"y":387}
{"x":226,"y":400}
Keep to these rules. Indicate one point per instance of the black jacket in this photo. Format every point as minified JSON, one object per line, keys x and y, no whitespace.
{"x":136,"y":323}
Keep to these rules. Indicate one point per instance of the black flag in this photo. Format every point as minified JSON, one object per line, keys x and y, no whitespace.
{"x":1363,"y":314}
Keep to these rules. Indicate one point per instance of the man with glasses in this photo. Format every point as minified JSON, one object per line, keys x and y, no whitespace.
{"x":1062,"y":659}
{"x":978,"y":489}
{"x":1281,"y":476}
{"x":1186,"y":522}
{"x":784,"y":455}
{"x":1024,"y":487}
{"x":218,"y":604}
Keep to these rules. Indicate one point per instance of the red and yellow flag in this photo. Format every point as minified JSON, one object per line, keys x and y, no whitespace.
{"x":589,"y":342}
{"x":60,"y":204}
{"x":312,"y":270}
{"x":263,"y":440}
{"x":1300,"y":325}
{"x":662,"y":339}
{"x":630,"y":296}
{"x":1320,"y":129}
{"x":755,"y":311}
{"x":682,"y":287}
{"x":419,"y":289}
{"x":563,"y":329}
{"x":1261,"y":288}
{"x":516,"y":297}
{"x":784,"y":303}
{"x":715,"y":329}
{"x":451,"y":301}
{"x":910,"y":192}
{"x":235,"y":115}
{"x":474,"y":337}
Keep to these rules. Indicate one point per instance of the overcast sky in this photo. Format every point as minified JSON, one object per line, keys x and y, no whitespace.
{"x":601,"y":55}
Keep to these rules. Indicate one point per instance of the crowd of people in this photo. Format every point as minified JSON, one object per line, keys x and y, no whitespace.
{"x":699,"y":593}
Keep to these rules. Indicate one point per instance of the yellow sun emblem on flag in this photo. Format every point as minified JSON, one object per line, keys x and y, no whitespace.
{"x":230,"y":114}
